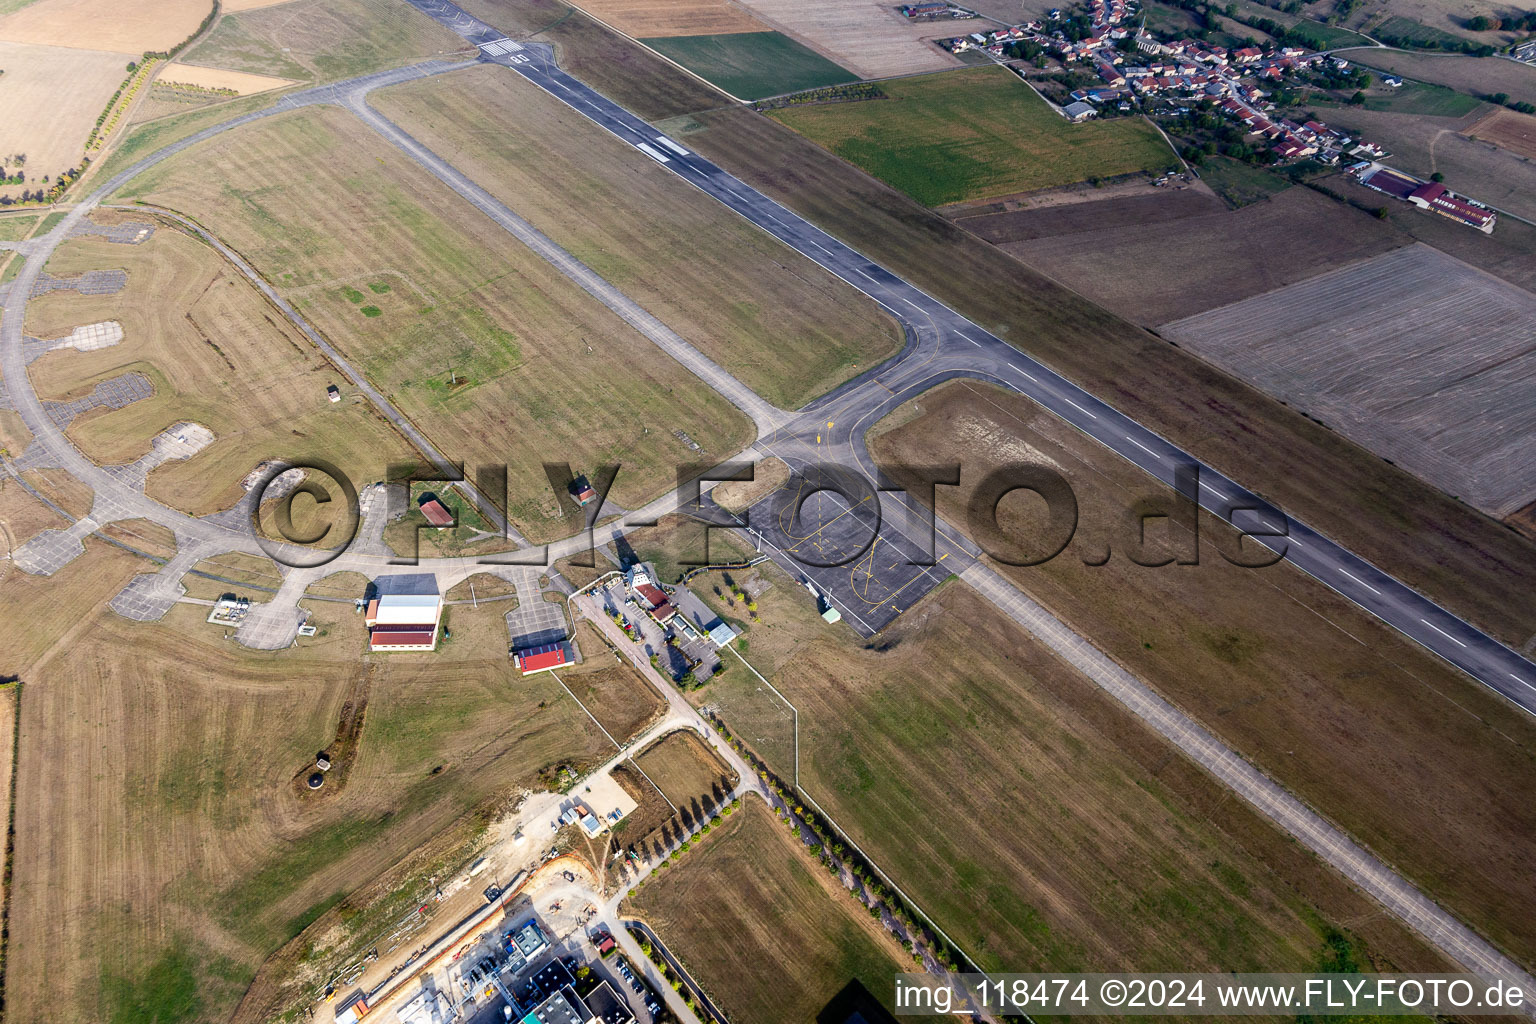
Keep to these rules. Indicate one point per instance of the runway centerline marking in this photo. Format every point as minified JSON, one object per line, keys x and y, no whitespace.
{"x":1442,"y":632}
{"x":1079,"y":408}
{"x":1373,"y":590}
{"x":1143,"y":447}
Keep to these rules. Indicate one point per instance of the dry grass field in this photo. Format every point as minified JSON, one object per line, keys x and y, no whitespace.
{"x":611,"y":689}
{"x":128,"y":28}
{"x":1476,"y":76}
{"x":1433,"y":377}
{"x":47,"y":123}
{"x":1341,"y":709}
{"x":219,"y":355}
{"x":747,"y":910}
{"x":411,"y":283}
{"x":785,"y":327}
{"x":690,"y":774}
{"x":322,"y":39}
{"x":168,"y":854}
{"x":1039,"y":824}
{"x":868,"y":37}
{"x":22,"y":517}
{"x":1206,"y":259}
{"x":641,"y":18}
{"x":1507,"y":129}
{"x":241,"y":82}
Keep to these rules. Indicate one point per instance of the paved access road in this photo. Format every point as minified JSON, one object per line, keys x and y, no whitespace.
{"x":952,"y":346}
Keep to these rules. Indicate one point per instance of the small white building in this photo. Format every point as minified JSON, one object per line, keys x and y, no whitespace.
{"x":406,"y":614}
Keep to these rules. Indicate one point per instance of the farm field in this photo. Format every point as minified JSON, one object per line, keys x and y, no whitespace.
{"x":1378,"y":511}
{"x":642,"y":18}
{"x":123,"y":28}
{"x":746,"y":909}
{"x":47,"y":123}
{"x":1208,"y":260}
{"x":322,"y":39}
{"x":960,"y":733}
{"x":190,"y":749}
{"x":1240,"y":184}
{"x":22,"y":517}
{"x":382,"y":258}
{"x":751,"y":65}
{"x":1336,"y":706}
{"x":1447,"y":16}
{"x":218,"y":355}
{"x":972,"y":134}
{"x":868,"y":38}
{"x":1165,"y":206}
{"x":779,"y":323}
{"x":1435,"y":345}
{"x":1507,"y":129}
{"x":1329,"y":36}
{"x":1476,"y":76}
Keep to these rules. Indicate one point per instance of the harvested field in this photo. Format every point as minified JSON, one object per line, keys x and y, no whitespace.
{"x":971,"y":134}
{"x":1166,"y":207}
{"x":189,"y":748}
{"x":768,"y":475}
{"x":483,"y":585}
{"x":611,"y":689}
{"x":220,"y":78}
{"x":1208,"y":258}
{"x":641,"y":18}
{"x":1338,"y":707}
{"x":219,"y":355}
{"x":867,"y":37}
{"x":751,"y":65}
{"x":14,"y":435}
{"x":621,"y":69}
{"x":1477,"y":76}
{"x":960,"y":734}
{"x":43,"y":120}
{"x":782,"y":325}
{"x":1507,"y":129}
{"x":689,"y":773}
{"x":1439,"y":363}
{"x":322,"y":39}
{"x":569,"y":378}
{"x":124,"y":28}
{"x":747,"y":909}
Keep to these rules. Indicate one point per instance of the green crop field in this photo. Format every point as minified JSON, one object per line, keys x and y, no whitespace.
{"x":1427,"y":100}
{"x":751,"y":65}
{"x":1406,"y":31}
{"x":971,"y":134}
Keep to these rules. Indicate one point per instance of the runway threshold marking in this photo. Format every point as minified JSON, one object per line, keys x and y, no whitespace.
{"x":674,"y":147}
{"x":651,"y":152}
{"x":1442,"y":632}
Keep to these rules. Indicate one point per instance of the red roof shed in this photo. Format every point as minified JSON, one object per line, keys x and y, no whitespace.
{"x":436,"y":513}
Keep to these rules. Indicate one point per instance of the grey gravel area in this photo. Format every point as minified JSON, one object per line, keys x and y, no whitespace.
{"x":92,"y":282}
{"x":112,"y":393}
{"x":132,"y":232}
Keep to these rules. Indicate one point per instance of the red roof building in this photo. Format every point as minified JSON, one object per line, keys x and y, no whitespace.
{"x":436,"y":513}
{"x":419,"y":637}
{"x":542,"y":659}
{"x":650,"y":594}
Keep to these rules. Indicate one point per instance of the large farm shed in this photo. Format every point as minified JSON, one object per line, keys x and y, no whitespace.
{"x":1424,"y":360}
